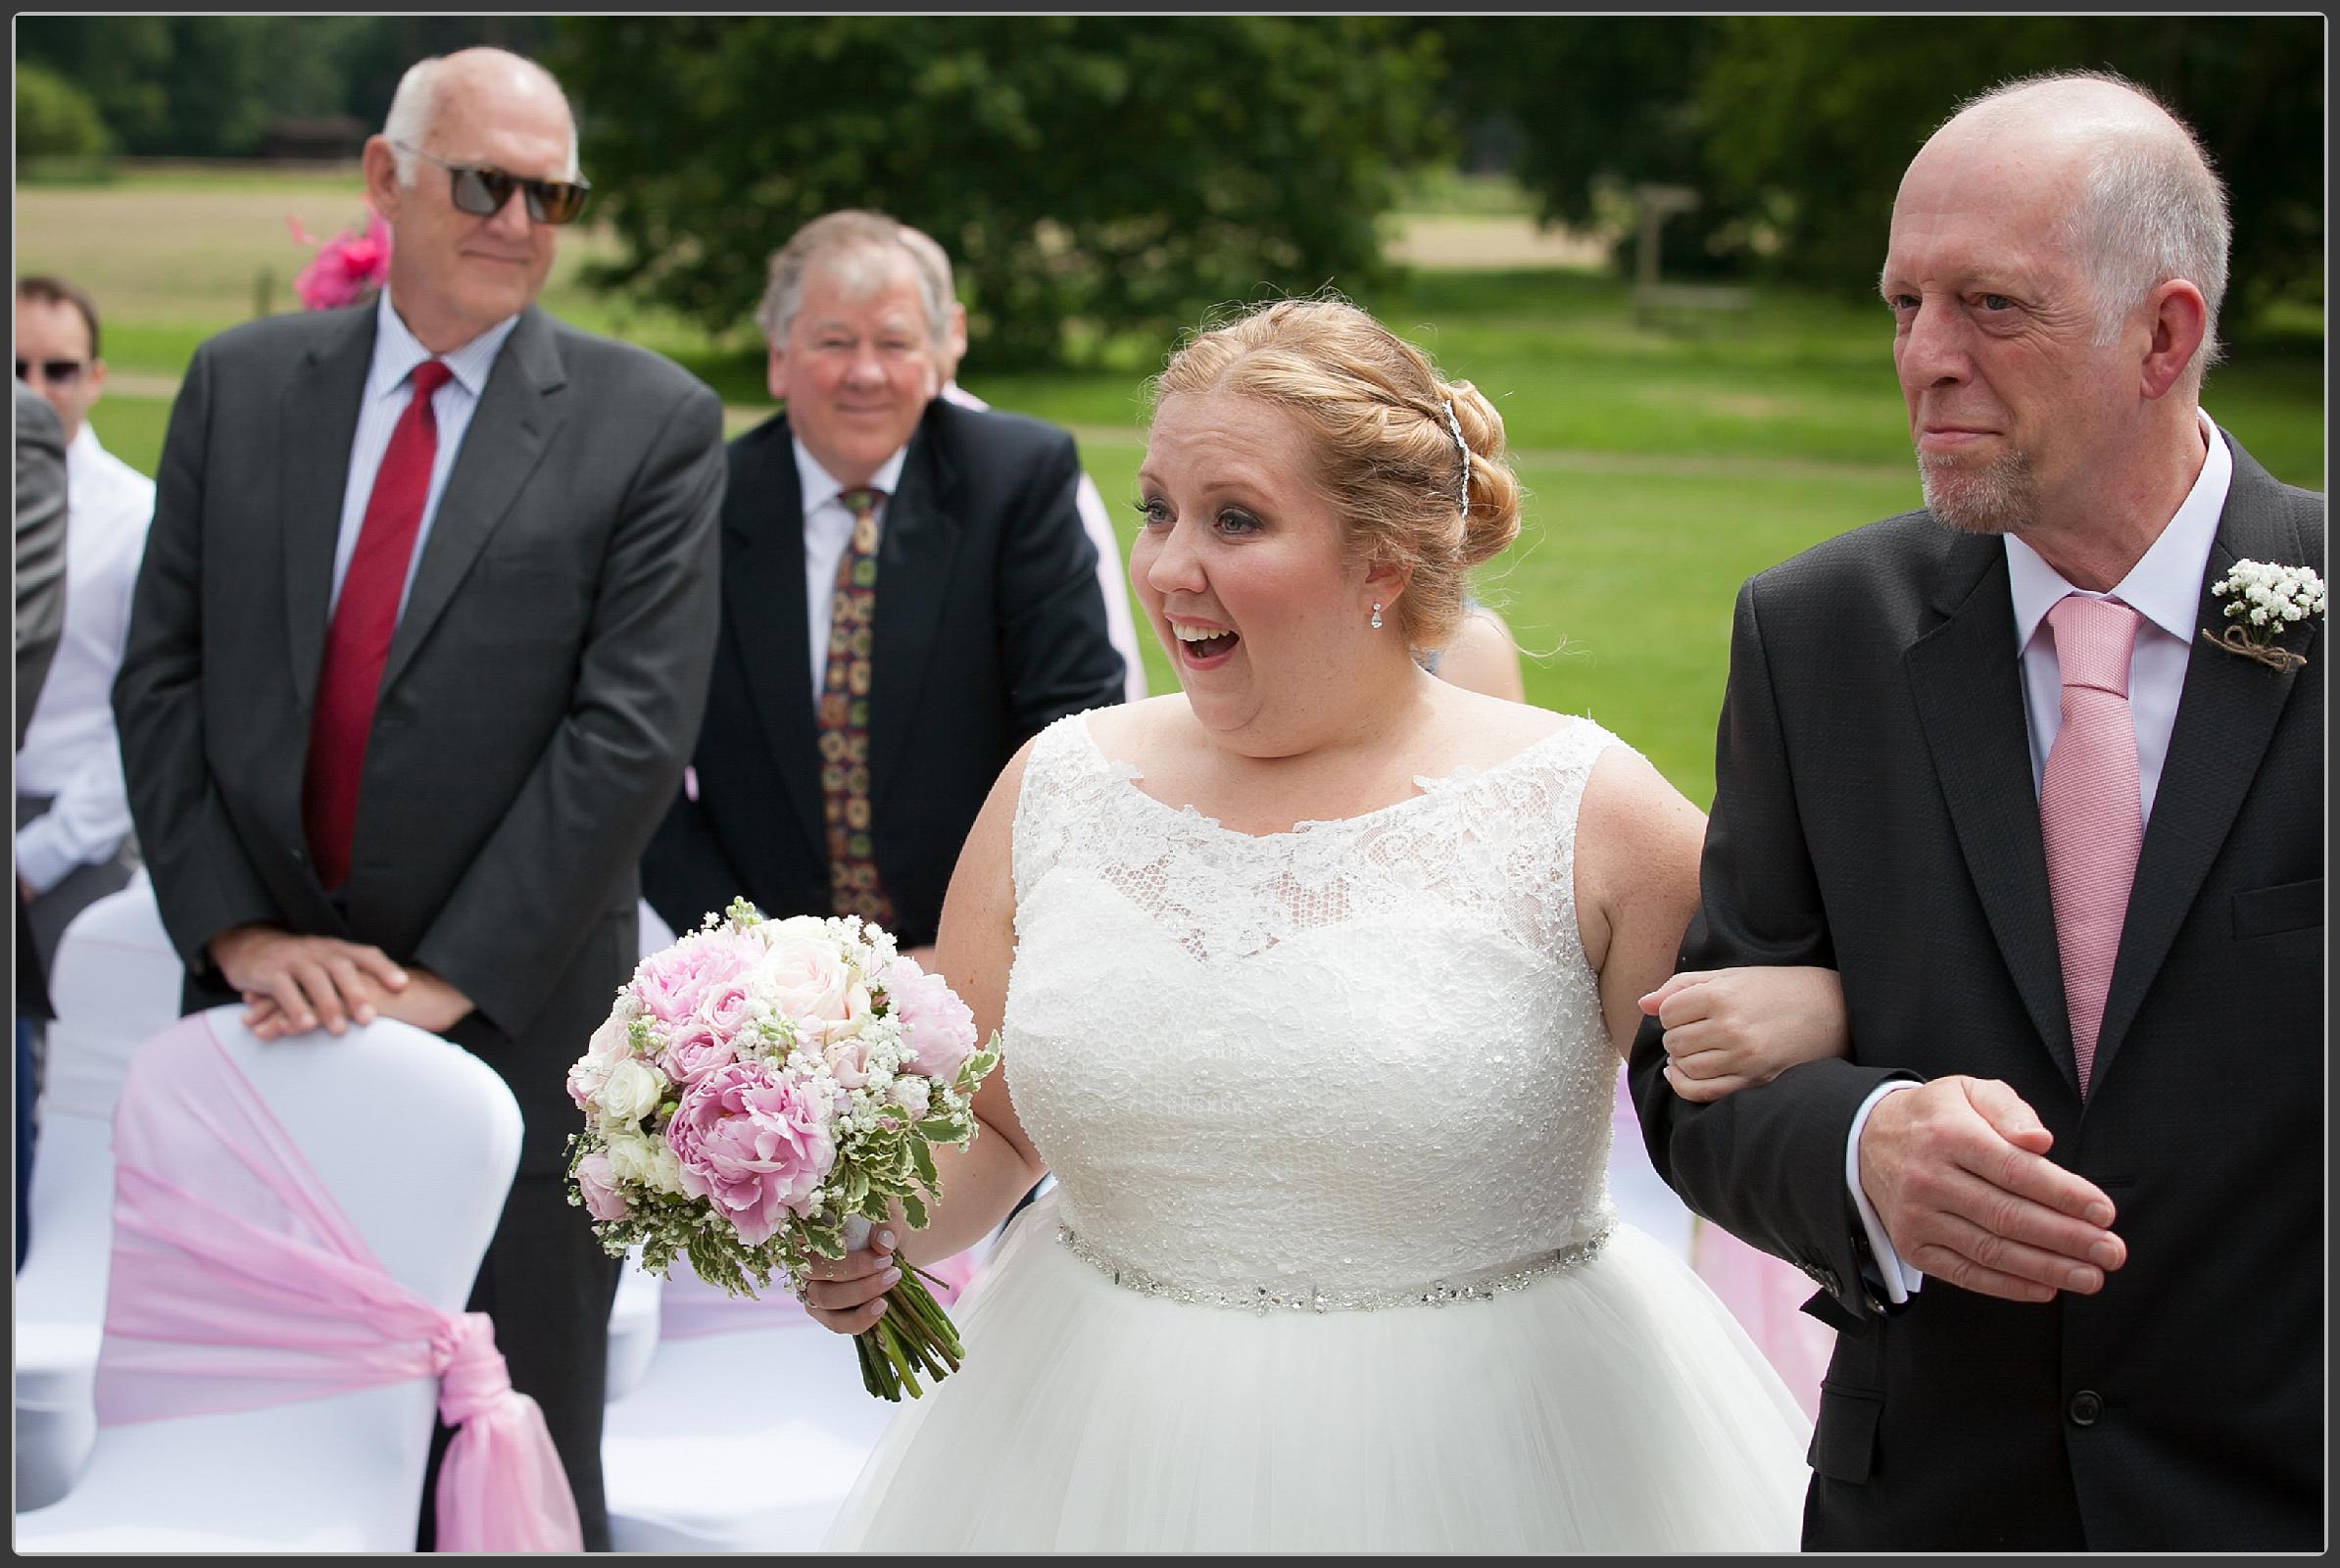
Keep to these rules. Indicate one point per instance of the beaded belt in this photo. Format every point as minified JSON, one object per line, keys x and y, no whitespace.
{"x":1478,"y":1285}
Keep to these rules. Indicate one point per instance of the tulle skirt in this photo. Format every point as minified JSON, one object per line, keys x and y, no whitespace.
{"x":1615,"y":1407}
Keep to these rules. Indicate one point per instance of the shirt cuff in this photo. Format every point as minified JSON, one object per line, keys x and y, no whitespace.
{"x":1900,"y":1281}
{"x":42,"y":859}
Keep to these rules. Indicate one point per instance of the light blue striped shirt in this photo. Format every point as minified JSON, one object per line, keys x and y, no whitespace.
{"x":396,"y":353}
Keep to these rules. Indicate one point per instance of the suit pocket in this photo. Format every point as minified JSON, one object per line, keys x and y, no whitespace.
{"x":2271,"y":911}
{"x":1845,"y":1437}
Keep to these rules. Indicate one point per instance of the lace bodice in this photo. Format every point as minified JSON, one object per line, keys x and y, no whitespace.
{"x":1361,"y":1054}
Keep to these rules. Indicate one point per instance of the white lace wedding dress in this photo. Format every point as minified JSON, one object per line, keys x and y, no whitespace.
{"x":1330,"y":1263}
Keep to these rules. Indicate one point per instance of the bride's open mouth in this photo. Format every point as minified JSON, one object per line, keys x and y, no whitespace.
{"x":1202,"y":647}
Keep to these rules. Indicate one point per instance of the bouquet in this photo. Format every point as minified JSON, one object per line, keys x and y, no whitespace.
{"x":349,"y":268}
{"x":760,"y":1093}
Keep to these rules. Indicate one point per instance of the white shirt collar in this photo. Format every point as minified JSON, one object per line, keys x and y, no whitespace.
{"x":2165,"y":586}
{"x":819,"y":487}
{"x":397,"y":351}
{"x":84,"y":449}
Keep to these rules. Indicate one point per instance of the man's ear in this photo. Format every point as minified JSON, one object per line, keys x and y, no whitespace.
{"x":2179,"y":318}
{"x":380,"y":166}
{"x":775,"y":374}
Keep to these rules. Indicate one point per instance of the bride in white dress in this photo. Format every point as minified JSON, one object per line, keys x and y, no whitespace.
{"x":1314,"y":980}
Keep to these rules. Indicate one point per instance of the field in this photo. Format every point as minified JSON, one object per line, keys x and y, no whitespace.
{"x":1664,"y":464}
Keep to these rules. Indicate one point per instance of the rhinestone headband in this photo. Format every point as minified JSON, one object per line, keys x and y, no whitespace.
{"x":1455,"y":427}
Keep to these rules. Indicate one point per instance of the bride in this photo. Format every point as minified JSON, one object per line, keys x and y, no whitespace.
{"x":1314,"y":980}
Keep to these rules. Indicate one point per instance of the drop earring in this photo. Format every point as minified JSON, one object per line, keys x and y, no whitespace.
{"x":1377,"y":617}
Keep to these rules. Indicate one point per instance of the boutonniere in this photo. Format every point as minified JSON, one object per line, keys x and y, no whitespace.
{"x":2262,"y":602}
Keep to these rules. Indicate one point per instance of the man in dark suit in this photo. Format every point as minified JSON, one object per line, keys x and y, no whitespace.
{"x":907,"y":597}
{"x":39,"y":622}
{"x":2065,"y":1199}
{"x":417,"y":652}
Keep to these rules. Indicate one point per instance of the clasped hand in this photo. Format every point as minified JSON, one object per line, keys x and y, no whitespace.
{"x":1732,"y":1029}
{"x":291,"y":984}
{"x":847,"y":1294}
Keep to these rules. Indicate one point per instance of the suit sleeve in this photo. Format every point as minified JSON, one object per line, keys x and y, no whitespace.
{"x":1056,"y":649}
{"x":40,"y":548}
{"x":204,"y":879}
{"x":1766,"y":1164}
{"x":589,"y":806}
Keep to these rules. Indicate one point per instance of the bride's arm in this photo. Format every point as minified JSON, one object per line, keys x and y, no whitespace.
{"x":979,"y":1186}
{"x":1636,"y":883}
{"x":1732,"y":1029}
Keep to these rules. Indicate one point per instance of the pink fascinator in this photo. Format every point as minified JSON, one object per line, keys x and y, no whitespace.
{"x":348,"y":270}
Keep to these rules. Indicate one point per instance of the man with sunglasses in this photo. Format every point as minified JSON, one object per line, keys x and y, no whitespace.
{"x":418,"y":647}
{"x":73,"y":812}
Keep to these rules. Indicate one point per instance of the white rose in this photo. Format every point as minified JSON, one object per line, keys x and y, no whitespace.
{"x":809,"y":980}
{"x":631,"y":1092}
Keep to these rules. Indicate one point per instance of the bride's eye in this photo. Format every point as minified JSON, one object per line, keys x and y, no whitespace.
{"x":1237,"y":523}
{"x":1153,"y":512}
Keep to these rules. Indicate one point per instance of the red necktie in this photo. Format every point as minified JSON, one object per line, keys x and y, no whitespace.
{"x":2091,"y":811}
{"x":358,"y":643}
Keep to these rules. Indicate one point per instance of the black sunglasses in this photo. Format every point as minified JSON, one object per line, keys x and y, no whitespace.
{"x":57,"y":372}
{"x":482,"y":190}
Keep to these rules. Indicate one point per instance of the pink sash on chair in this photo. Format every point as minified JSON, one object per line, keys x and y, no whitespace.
{"x":238,"y":1284}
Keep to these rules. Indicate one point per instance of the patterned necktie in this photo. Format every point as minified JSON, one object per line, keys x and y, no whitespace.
{"x":843,"y":720}
{"x":358,"y":643}
{"x":2090,"y":811}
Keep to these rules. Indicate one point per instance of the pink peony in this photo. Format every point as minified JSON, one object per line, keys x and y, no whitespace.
{"x":727,"y":1007}
{"x":753,"y":1144}
{"x":938,"y":1031}
{"x":348,"y":270}
{"x":671,"y":984}
{"x":598,"y":1184}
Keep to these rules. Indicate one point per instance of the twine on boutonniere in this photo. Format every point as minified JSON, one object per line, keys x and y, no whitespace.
{"x":2263,"y":602}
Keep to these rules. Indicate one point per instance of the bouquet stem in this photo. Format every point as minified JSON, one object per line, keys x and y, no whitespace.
{"x":913,"y":1335}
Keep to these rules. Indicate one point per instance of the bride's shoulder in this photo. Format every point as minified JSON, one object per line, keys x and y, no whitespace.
{"x":1130,"y":732}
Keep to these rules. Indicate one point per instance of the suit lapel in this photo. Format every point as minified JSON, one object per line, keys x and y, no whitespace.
{"x":2227,"y":714}
{"x":1967,"y":678}
{"x":317,"y":414}
{"x":518,"y":413}
{"x":764,"y":609}
{"x":917,"y":565}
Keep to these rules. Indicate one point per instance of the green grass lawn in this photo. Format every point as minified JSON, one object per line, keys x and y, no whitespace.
{"x":1663,"y":465}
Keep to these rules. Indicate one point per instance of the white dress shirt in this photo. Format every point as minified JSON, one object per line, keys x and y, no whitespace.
{"x":71,"y":752}
{"x":1121,"y":627}
{"x":828,"y":530}
{"x":2165,"y":589}
{"x":396,"y":353}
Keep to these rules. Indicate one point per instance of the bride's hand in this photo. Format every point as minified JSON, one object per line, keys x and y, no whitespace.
{"x":1732,"y":1029}
{"x":846,"y":1294}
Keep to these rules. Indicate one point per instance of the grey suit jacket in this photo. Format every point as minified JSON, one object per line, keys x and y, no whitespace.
{"x":538,"y":703}
{"x":1874,"y":813}
{"x":40,"y":546}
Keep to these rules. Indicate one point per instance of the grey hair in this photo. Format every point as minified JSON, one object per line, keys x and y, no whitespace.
{"x":416,"y":101}
{"x":2151,"y":209}
{"x":859,"y":246}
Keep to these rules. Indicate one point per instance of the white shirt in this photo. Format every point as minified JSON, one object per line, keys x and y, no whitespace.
{"x":828,"y":530}
{"x":2164,"y":588}
{"x":71,"y":752}
{"x":396,"y":353}
{"x":1121,"y":627}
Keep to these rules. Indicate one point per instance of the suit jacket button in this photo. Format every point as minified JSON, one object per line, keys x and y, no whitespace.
{"x":2087,"y":1406}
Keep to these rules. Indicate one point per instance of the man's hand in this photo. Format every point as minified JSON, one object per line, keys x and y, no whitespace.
{"x":292,"y":984}
{"x":1958,"y":1171}
{"x":426,"y":1002}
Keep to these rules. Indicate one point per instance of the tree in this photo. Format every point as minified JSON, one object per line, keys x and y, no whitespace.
{"x":54,"y":118}
{"x":1125,"y":173}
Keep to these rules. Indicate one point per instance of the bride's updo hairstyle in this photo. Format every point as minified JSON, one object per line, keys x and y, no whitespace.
{"x":1389,"y":455}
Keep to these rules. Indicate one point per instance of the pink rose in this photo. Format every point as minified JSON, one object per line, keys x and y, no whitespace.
{"x":693,"y":1051}
{"x":849,"y":1062}
{"x":608,"y":1046}
{"x":807,"y":978}
{"x":753,"y":1144}
{"x":670,"y":985}
{"x":598,"y":1184}
{"x":938,"y":1031}
{"x":728,"y":1007}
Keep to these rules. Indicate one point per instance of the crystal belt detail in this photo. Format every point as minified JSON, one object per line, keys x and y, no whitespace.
{"x":1476,"y":1285}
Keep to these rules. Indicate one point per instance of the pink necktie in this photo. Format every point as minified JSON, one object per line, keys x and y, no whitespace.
{"x":2090,"y":814}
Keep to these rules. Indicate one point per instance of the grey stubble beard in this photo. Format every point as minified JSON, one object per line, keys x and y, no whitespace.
{"x":1995,"y":497}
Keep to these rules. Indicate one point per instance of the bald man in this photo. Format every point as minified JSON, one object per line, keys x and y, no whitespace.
{"x":2064,"y":1198}
{"x":417,"y":649}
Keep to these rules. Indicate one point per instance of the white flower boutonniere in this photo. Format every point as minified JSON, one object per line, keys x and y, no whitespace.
{"x":2263,"y":603}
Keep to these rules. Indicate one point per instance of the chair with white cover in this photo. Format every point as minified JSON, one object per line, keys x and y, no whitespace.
{"x":371,"y":1165}
{"x":115,"y":983}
